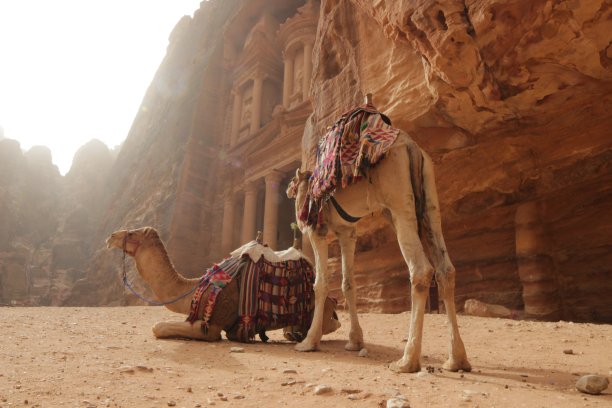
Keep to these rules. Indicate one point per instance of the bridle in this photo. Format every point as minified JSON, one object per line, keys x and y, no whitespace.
{"x":127,"y":284}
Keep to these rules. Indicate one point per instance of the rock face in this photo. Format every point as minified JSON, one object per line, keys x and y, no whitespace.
{"x":46,"y":221}
{"x":511,"y":100}
{"x":508,"y":98}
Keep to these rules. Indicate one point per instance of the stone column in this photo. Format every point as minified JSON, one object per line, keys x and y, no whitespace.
{"x":307,"y":70}
{"x":250,"y":212}
{"x":270,"y":231}
{"x":288,"y":80}
{"x":535,"y":266}
{"x":256,"y":106}
{"x":227,"y":236}
{"x":236,"y":116}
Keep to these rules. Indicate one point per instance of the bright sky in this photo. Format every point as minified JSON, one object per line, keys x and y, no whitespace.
{"x":76,"y":70}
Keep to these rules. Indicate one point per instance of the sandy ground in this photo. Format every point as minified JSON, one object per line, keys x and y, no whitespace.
{"x":108,"y":357}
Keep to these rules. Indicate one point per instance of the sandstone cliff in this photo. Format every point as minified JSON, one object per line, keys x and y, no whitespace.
{"x":511,"y":100}
{"x":46,"y":220}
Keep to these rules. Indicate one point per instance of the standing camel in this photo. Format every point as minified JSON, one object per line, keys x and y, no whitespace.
{"x":388,"y":188}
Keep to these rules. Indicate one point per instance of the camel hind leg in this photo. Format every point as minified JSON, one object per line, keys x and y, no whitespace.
{"x":421,"y":273}
{"x":445,"y":271}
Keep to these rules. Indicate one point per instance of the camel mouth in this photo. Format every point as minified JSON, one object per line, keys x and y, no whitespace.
{"x":115,"y":240}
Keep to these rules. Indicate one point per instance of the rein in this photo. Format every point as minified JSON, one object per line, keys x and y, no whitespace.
{"x":127,"y":284}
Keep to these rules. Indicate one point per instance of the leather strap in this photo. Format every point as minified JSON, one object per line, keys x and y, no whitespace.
{"x":345,"y":216}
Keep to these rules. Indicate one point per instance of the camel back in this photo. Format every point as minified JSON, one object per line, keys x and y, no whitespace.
{"x":355,"y":143}
{"x":273,"y":294}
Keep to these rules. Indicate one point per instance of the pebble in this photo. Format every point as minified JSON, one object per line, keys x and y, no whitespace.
{"x":423,"y":374}
{"x":350,"y":391}
{"x":568,"y":351}
{"x":592,"y":384}
{"x":289,"y":371}
{"x":363,"y":352}
{"x":89,"y":404}
{"x":397,"y":403}
{"x":237,"y":350}
{"x":172,"y":403}
{"x":392,"y":392}
{"x":322,"y":389}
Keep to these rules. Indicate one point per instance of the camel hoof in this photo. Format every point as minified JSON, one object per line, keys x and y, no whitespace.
{"x":401,"y":366}
{"x":306,"y":346}
{"x":353,"y":345}
{"x":456,"y":365}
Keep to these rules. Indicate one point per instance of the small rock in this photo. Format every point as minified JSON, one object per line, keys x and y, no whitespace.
{"x":392,"y":392}
{"x":198,"y":405}
{"x":89,"y":404}
{"x":592,"y":384}
{"x":210,"y":402}
{"x":223,"y":398}
{"x":237,"y":350}
{"x":289,"y":371}
{"x":239,"y":396}
{"x":350,"y":391}
{"x":363,"y":352}
{"x":172,"y":403}
{"x":127,"y":370}
{"x":423,"y":374}
{"x":397,"y":403}
{"x":322,"y":389}
{"x":189,"y":389}
{"x":568,"y":351}
{"x":354,"y":397}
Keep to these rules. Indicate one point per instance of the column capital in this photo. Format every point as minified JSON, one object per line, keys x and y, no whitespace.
{"x":251,"y":187}
{"x":274,"y":176}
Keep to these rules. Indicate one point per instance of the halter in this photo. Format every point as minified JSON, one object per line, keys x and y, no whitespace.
{"x":127,"y":284}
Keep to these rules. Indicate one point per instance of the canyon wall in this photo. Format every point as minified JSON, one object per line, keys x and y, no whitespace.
{"x":510,"y":99}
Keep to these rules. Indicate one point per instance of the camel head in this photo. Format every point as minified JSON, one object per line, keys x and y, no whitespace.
{"x":297,"y":183}
{"x":130,"y":240}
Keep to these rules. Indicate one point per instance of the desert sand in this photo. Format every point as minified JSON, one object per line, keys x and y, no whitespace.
{"x":108,"y":357}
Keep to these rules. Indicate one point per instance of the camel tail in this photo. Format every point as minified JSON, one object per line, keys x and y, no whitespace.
{"x":430,"y":224}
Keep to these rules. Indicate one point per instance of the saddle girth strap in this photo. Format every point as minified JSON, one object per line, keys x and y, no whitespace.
{"x":345,"y":216}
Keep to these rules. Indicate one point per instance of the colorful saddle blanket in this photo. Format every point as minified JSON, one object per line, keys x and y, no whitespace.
{"x":275,"y":291}
{"x":356,"y":142}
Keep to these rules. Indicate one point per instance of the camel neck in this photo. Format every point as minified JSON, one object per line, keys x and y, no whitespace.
{"x":156,"y":269}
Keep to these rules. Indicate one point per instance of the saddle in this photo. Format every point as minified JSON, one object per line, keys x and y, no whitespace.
{"x":358,"y":140}
{"x":276,"y":291}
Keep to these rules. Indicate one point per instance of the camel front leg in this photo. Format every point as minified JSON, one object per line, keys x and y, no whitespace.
{"x":347,"y":245}
{"x":165,"y":330}
{"x":321,"y":288}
